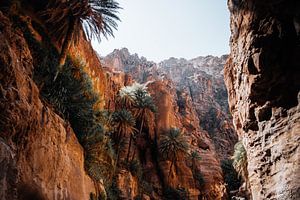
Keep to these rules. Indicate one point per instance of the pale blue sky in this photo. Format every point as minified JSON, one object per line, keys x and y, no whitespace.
{"x":159,"y":29}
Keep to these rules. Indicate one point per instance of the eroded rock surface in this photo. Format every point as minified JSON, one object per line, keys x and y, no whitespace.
{"x":39,"y":154}
{"x":263,"y":81}
{"x":176,"y":108}
{"x":199,"y":79}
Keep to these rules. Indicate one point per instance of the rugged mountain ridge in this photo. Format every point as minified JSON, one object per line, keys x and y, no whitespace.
{"x":170,"y":114}
{"x":200,"y":79}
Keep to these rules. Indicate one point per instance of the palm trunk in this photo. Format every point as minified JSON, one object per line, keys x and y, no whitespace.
{"x":172,"y":162}
{"x":65,"y":47}
{"x":193,"y":172}
{"x":118,"y":153}
{"x":129,"y":146}
{"x":141,"y":128}
{"x":133,"y":155}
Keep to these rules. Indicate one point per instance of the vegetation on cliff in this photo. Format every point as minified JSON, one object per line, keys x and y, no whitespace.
{"x":67,"y":19}
{"x":114,"y":140}
{"x":240,"y":162}
{"x":172,"y":146}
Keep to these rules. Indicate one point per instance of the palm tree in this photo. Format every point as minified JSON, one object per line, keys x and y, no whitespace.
{"x":240,"y":162}
{"x":172,"y":145}
{"x":99,"y":158}
{"x":124,"y":124}
{"x":194,"y":156}
{"x":104,"y":117}
{"x":66,"y":19}
{"x":125,"y":98}
{"x":144,"y":107}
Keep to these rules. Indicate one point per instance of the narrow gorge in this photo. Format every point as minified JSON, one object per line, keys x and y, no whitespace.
{"x":75,"y":125}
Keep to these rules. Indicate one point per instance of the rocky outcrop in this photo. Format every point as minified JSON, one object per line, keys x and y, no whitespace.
{"x":173,"y":96}
{"x":200,"y":79}
{"x":39,"y":153}
{"x":263,"y":81}
{"x":199,"y":141}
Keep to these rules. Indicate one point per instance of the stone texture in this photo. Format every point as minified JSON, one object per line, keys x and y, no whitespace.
{"x":263,"y":81}
{"x":170,"y":115}
{"x":127,"y":184}
{"x":199,"y":79}
{"x":40,"y":155}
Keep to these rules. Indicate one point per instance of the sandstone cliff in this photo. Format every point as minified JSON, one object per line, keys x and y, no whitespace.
{"x":199,"y":79}
{"x":263,"y":81}
{"x":40,"y":156}
{"x":189,"y":95}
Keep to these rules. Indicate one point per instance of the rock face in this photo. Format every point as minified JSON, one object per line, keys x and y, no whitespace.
{"x":39,"y":154}
{"x":200,"y":79}
{"x":263,"y":81}
{"x":209,"y":166}
{"x":190,"y":95}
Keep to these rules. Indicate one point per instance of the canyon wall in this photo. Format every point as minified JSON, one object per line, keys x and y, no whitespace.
{"x":263,"y":81}
{"x":41,"y":156}
{"x":200,"y":79}
{"x":39,"y":153}
{"x":191,"y":95}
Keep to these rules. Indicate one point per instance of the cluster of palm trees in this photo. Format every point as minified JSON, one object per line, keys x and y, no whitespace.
{"x":135,"y":107}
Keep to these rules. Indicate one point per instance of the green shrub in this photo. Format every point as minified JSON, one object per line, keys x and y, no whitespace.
{"x":240,"y":162}
{"x":99,"y":159}
{"x":73,"y":98}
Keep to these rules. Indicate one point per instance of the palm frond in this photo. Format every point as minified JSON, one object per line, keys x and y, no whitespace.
{"x":240,"y":162}
{"x":94,"y":17}
{"x":172,"y":144}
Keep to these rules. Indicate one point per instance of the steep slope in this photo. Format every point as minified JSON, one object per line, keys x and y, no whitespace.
{"x":40,"y":155}
{"x":155,"y":171}
{"x":201,"y":79}
{"x":263,"y":81}
{"x":190,"y":95}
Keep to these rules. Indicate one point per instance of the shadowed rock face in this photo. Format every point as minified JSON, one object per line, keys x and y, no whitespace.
{"x":263,"y":81}
{"x":40,"y":156}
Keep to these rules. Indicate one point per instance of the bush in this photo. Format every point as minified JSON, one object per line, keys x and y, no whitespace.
{"x":240,"y":162}
{"x":72,"y":93}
